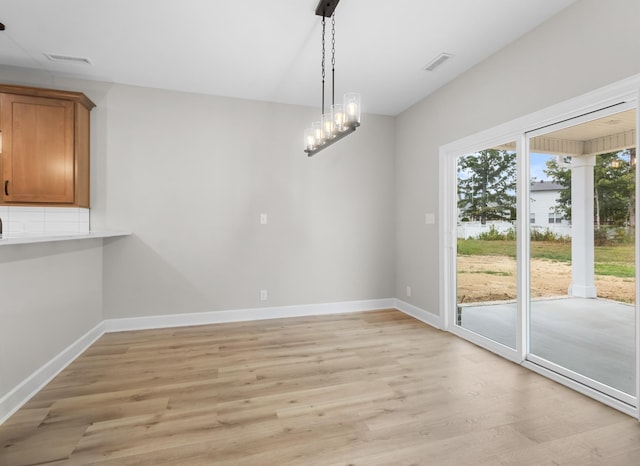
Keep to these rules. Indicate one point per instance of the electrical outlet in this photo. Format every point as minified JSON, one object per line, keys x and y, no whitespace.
{"x":263,"y":295}
{"x":408,"y":291}
{"x":263,"y":219}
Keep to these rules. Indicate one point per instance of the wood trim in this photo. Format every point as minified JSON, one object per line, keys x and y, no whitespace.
{"x":51,"y":93}
{"x":5,"y":160}
{"x":82,"y":156}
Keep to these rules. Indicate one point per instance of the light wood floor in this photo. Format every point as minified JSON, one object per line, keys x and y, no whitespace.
{"x":356,"y":389}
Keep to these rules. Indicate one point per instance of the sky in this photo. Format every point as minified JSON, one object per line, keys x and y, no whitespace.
{"x":537,"y":165}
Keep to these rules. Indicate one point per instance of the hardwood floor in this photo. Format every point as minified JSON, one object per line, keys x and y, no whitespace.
{"x":356,"y":389}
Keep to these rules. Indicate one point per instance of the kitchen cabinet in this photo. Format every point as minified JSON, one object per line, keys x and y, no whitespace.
{"x":45,"y":147}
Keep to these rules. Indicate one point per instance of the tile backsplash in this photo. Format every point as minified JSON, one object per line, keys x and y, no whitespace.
{"x":34,"y":220}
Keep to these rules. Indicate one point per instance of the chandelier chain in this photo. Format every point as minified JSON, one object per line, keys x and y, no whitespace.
{"x":333,"y":58}
{"x":323,"y":31}
{"x":333,"y":39}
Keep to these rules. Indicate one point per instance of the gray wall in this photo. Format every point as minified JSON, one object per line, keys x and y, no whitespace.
{"x":51,"y":295}
{"x":589,"y":45}
{"x":190,"y":176}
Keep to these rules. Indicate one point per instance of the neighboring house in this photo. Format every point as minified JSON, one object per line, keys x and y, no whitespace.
{"x":543,"y":214}
{"x":543,"y":208}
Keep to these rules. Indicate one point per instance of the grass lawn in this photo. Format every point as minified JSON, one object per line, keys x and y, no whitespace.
{"x":617,"y":261}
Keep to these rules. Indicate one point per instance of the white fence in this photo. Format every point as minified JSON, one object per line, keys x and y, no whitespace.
{"x":468,"y":230}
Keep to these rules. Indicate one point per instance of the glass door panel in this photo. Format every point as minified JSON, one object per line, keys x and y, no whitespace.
{"x":582,"y":251}
{"x":486,"y":279}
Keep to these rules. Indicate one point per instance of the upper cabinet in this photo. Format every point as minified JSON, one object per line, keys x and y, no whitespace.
{"x":45,"y":146}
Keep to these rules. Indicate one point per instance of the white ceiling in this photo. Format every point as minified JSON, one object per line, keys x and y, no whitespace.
{"x":617,"y":123}
{"x":266,"y":50}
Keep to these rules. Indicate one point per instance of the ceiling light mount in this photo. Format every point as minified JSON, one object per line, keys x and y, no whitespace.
{"x":326,"y":8}
{"x":342,"y":119}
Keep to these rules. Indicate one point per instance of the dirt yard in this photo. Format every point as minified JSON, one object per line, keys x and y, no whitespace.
{"x":493,"y":278}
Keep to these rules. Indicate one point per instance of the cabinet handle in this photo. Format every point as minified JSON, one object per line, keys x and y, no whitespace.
{"x":6,"y":187}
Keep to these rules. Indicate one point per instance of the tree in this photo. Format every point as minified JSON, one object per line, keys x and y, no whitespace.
{"x":487,"y":184}
{"x":613,"y":185}
{"x":561,"y":175}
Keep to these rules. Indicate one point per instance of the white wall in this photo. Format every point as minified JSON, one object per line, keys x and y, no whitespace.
{"x":50,"y":296}
{"x":50,"y":293}
{"x":190,"y":176}
{"x":587,"y":46}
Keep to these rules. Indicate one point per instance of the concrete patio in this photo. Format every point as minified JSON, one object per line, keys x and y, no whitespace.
{"x":593,"y":337}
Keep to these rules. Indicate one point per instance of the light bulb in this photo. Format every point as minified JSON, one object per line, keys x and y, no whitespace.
{"x":338,"y":118}
{"x":309,"y":139}
{"x":352,"y":109}
{"x":327,"y":126}
{"x":318,"y":133}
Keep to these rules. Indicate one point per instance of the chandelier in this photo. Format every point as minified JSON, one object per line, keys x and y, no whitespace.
{"x":341,"y":119}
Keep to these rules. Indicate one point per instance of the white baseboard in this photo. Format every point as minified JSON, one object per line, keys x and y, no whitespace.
{"x":242,"y":315}
{"x":17,"y":397}
{"x":420,"y":314}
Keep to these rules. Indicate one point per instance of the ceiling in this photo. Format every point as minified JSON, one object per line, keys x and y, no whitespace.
{"x":612,"y":133}
{"x":618,"y":123}
{"x":266,"y":51}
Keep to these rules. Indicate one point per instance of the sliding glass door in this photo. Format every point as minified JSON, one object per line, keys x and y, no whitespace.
{"x":582,"y":250}
{"x":486,"y":277}
{"x":539,"y":249}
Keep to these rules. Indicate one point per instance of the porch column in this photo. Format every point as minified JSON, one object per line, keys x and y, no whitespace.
{"x":582,"y":256}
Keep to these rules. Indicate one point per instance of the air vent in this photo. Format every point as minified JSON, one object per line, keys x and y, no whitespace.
{"x":436,"y":62}
{"x":67,"y":59}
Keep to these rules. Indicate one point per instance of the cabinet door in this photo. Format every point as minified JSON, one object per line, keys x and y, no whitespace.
{"x":38,"y":153}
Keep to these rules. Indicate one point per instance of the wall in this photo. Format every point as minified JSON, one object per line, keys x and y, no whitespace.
{"x":190,"y":176}
{"x":51,"y":295}
{"x":587,"y":46}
